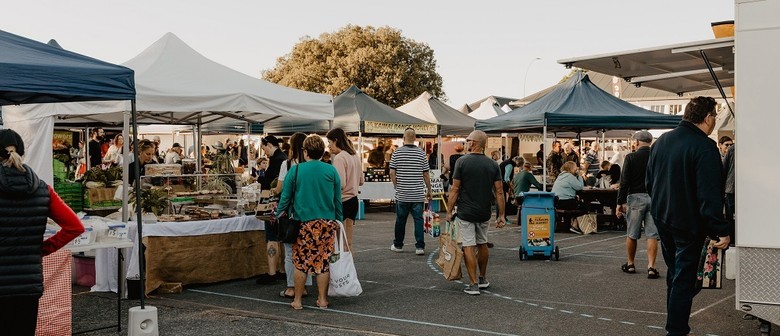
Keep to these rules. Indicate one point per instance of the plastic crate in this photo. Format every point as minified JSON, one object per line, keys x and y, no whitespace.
{"x":84,"y":271}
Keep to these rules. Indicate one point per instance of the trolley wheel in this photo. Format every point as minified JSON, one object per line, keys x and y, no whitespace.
{"x":522,"y":253}
{"x":557,"y":254}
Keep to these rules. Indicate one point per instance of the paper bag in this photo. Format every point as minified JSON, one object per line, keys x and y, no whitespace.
{"x":450,"y":254}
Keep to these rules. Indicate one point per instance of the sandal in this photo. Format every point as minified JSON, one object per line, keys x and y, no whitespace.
{"x":652,"y":273}
{"x":296,"y":307}
{"x":629,"y":268}
{"x":325,"y":306}
{"x":284,"y":294}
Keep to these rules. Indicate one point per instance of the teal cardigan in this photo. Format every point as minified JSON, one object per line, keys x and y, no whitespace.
{"x":317,"y":195}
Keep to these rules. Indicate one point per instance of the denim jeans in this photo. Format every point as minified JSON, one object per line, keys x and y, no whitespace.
{"x":681,"y":251}
{"x":402,"y":210}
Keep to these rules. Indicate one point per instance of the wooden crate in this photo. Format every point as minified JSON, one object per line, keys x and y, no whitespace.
{"x":95,"y":195}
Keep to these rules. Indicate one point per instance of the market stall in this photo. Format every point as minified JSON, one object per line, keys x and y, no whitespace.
{"x":177,"y":85}
{"x":203,"y":251}
{"x":575,"y":107}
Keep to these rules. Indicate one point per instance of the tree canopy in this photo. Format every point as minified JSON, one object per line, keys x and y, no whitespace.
{"x":380,"y":61}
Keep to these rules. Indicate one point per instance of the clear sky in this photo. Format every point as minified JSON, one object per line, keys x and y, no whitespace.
{"x":482,"y":47}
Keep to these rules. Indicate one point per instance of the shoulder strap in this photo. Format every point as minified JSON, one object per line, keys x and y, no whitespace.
{"x":295,"y":186}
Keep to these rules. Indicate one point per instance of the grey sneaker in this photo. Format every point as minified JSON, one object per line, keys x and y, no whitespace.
{"x":483,"y":283}
{"x":419,"y":251}
{"x":396,"y":249}
{"x":472,"y":289}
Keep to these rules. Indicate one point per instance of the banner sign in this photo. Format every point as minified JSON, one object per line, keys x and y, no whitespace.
{"x":437,"y":185}
{"x":376,"y":127}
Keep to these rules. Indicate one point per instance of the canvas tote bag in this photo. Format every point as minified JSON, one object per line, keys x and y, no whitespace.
{"x":343,"y":275}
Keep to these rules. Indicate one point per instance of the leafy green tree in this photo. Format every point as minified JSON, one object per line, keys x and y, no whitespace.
{"x":380,"y":61}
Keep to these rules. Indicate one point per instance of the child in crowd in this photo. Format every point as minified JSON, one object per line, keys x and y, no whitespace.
{"x":259,"y":170}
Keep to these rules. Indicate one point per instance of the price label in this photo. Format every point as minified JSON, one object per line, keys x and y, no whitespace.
{"x":117,"y":233}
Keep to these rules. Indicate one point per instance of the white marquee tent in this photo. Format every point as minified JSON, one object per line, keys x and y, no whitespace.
{"x":177,"y":85}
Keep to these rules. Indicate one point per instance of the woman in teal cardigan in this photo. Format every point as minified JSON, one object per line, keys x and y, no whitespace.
{"x":317,"y":204}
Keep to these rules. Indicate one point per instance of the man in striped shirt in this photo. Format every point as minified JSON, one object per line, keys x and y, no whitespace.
{"x":409,"y":173}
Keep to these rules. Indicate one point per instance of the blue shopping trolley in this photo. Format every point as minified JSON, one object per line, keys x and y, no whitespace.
{"x":537,"y":218}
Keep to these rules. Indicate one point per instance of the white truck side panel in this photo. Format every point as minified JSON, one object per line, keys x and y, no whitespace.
{"x":757,"y":58}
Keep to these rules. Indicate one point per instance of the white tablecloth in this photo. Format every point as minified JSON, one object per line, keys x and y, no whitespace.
{"x":377,"y":190}
{"x":105,"y":259}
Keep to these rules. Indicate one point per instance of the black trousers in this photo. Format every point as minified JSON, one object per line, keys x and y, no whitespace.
{"x":681,"y":251}
{"x":19,"y":314}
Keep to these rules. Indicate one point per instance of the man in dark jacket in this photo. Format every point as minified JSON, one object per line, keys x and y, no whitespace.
{"x":684,"y":181}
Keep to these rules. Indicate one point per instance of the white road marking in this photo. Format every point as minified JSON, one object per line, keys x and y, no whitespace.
{"x":331,"y":310}
{"x":713,"y":305}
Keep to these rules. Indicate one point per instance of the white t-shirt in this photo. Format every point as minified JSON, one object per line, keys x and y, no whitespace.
{"x":283,"y":170}
{"x":172,"y":157}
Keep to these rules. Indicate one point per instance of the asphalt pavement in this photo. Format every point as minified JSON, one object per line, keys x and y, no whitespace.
{"x":583,"y":293}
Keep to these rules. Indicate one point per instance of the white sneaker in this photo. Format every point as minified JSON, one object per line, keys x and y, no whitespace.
{"x":419,"y":252}
{"x":396,"y":249}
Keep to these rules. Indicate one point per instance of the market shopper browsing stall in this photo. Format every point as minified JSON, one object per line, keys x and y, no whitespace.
{"x":317,"y":205}
{"x":25,"y":203}
{"x":347,"y":164}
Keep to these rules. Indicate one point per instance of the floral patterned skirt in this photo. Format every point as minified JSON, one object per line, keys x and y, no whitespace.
{"x":315,"y":245}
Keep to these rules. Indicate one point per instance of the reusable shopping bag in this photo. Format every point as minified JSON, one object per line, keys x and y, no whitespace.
{"x":586,"y":223}
{"x":450,"y":254}
{"x":431,"y":221}
{"x":343,"y":275}
{"x":710,"y":275}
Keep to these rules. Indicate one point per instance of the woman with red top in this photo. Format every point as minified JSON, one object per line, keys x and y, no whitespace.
{"x":25,"y":203}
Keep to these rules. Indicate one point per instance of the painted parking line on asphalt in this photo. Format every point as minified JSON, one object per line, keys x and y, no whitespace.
{"x":584,"y":315}
{"x":331,"y":310}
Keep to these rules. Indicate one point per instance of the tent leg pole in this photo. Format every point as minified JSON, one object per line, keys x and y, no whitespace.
{"x":603,"y":142}
{"x":125,"y":167}
{"x":360,"y":149}
{"x":138,"y":207}
{"x":544,"y":162}
{"x":438,"y":155}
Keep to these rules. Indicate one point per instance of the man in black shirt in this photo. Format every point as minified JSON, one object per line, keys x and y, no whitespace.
{"x":270,"y":144}
{"x":634,"y":202}
{"x":474,"y":181}
{"x":95,"y":155}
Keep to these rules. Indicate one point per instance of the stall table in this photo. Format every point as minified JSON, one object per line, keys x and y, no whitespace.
{"x":597,"y":199}
{"x":377,"y":190}
{"x":200,"y":251}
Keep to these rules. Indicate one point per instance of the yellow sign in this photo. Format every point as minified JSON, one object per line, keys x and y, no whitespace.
{"x":538,"y":226}
{"x":376,"y":127}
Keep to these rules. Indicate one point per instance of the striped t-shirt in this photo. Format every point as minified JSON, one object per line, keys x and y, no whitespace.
{"x":409,"y":163}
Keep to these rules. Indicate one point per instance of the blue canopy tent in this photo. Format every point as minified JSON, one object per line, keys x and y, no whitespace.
{"x":34,"y":72}
{"x":577,"y":105}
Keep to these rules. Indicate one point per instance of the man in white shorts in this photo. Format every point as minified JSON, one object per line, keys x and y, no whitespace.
{"x":476,"y":181}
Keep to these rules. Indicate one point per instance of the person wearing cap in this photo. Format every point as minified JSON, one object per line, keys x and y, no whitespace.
{"x":684,"y":181}
{"x":634,"y":203}
{"x":174,"y":154}
{"x":25,"y":204}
